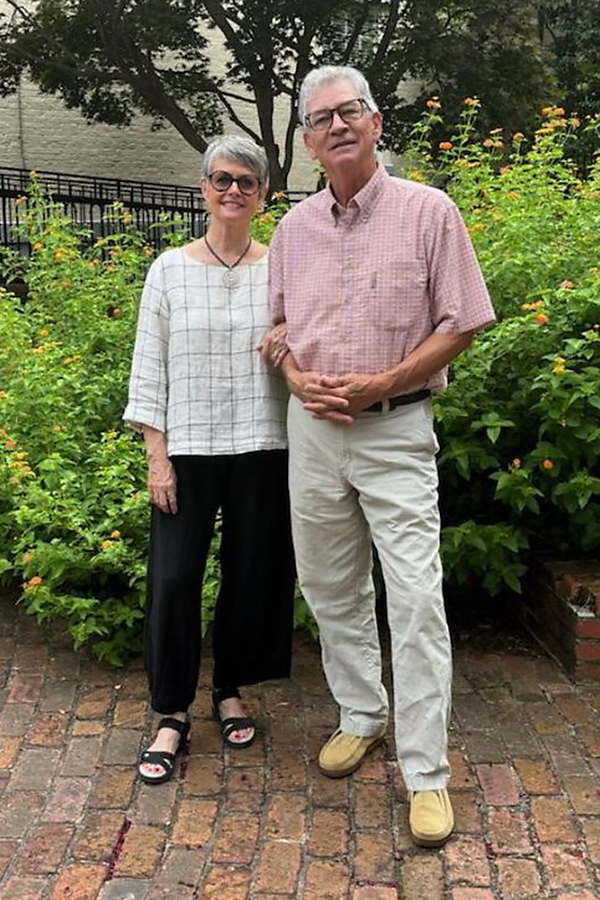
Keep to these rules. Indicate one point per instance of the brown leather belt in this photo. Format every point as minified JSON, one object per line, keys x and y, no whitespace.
{"x":400,"y":400}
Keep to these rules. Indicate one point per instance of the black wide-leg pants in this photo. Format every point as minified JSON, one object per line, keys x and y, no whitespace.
{"x":252,"y":629}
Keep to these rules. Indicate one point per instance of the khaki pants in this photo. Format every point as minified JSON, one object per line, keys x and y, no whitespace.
{"x":376,"y":480}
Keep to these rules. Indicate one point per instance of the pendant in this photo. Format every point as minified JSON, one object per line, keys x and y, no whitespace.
{"x":230,"y":279}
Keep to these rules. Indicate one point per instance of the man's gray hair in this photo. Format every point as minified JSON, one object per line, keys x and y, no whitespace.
{"x":325,"y":75}
{"x":238,"y":149}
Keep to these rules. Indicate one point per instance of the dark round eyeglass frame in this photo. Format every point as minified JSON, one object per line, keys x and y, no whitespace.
{"x":242,"y":182}
{"x":346,"y":115}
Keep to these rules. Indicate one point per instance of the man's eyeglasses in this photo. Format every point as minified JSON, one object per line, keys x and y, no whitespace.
{"x":350,"y":111}
{"x":222,"y":181}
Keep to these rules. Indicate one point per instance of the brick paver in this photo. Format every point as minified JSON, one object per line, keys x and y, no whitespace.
{"x":263,"y":823}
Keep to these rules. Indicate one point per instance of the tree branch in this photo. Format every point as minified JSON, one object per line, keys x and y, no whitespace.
{"x":388,"y":34}
{"x":24,"y":13}
{"x":18,"y":55}
{"x":236,"y":119}
{"x":358,"y":27}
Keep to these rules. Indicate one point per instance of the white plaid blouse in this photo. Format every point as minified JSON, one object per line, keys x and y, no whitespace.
{"x":196,"y":372}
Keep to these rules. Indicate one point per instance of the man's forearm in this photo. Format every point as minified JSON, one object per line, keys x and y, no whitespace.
{"x":426,"y":360}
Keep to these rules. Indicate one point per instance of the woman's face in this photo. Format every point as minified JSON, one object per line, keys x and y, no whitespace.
{"x":232,"y":201}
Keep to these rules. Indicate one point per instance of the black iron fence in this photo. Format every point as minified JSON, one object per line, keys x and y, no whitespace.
{"x":88,"y":201}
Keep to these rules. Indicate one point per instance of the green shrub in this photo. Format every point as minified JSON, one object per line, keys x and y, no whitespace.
{"x":518,"y":426}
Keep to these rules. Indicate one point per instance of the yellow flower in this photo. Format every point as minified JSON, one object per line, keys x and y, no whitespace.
{"x":472,"y":101}
{"x":445,"y":145}
{"x":20,"y":200}
{"x":106,"y":544}
{"x":115,"y":535}
{"x":33,"y":583}
{"x":415,"y":175}
{"x":504,"y":170}
{"x":566,"y":285}
{"x":27,"y":557}
{"x":548,"y":111}
{"x":516,"y":463}
{"x":559,"y":112}
{"x":37,"y":245}
{"x":433,"y":104}
{"x":541,"y":318}
{"x":2,"y":395}
{"x":488,"y":142}
{"x":37,"y":350}
{"x":58,"y":428}
{"x":44,"y":332}
{"x":59,"y":255}
{"x":518,"y":136}
{"x":548,"y":464}
{"x":148,"y":251}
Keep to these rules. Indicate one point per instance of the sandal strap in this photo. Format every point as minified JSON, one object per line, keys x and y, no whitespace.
{"x":224,"y":693}
{"x":175,"y":724}
{"x":159,"y":758}
{"x":237,"y":723}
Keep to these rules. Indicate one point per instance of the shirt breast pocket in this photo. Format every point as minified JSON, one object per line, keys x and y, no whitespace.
{"x":398,"y":294}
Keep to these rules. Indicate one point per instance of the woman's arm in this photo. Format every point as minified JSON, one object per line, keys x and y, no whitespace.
{"x":162,"y":480}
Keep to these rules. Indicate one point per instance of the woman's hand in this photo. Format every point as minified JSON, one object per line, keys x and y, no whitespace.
{"x":162,"y":479}
{"x":162,"y":483}
{"x":273,"y":347}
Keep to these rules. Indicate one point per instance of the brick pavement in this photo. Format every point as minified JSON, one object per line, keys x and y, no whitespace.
{"x":261,"y":824}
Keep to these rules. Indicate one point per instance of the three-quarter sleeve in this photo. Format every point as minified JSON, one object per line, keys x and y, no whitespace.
{"x":459,"y":300}
{"x":147,"y":404}
{"x":276,"y":297}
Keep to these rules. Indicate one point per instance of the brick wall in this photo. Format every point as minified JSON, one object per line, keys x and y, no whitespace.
{"x":561,"y":608}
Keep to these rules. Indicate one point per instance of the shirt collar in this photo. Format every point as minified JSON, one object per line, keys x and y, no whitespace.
{"x":365,"y":201}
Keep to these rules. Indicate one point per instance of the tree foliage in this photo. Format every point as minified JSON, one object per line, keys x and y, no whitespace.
{"x":571,"y":28}
{"x":113,"y":59}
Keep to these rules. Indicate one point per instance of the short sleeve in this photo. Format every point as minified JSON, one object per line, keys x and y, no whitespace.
{"x":459,"y":299}
{"x":276,"y":296}
{"x":147,"y":403}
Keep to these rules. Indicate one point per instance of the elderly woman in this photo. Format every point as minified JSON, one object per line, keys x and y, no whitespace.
{"x":212,"y":413}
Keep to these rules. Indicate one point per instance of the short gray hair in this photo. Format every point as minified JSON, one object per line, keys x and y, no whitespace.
{"x":325,"y":75}
{"x":238,"y":149}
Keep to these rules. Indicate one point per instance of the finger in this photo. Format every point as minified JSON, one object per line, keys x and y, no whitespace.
{"x":325,"y":403}
{"x":172,"y":502}
{"x":335,"y":381}
{"x":333,"y":416}
{"x":317,"y":393}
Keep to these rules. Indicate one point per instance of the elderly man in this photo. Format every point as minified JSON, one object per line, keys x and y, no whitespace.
{"x":379,"y":286}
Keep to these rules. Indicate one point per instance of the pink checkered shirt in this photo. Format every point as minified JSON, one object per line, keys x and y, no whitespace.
{"x":361,"y":287}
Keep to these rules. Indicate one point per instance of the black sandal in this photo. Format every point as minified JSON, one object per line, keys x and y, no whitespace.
{"x":163,"y":757}
{"x":233,"y":723}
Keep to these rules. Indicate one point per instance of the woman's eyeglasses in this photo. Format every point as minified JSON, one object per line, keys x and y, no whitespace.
{"x":222,"y":181}
{"x":350,"y":111}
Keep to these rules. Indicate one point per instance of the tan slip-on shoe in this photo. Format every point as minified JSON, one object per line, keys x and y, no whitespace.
{"x":343,"y":753}
{"x":431,"y":818}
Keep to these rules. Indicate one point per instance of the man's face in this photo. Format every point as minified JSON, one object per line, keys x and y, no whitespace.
{"x":344,"y":144}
